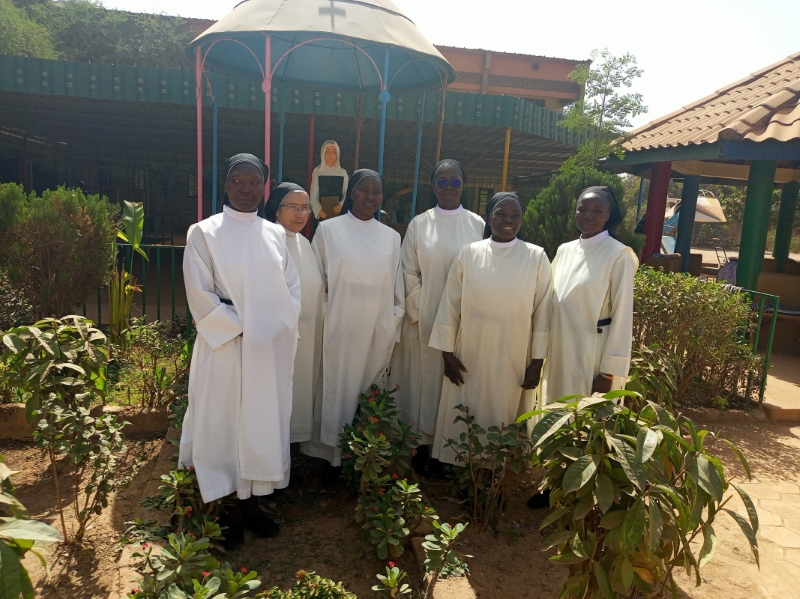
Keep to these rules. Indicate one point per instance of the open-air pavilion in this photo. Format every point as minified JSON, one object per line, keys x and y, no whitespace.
{"x":748,"y":131}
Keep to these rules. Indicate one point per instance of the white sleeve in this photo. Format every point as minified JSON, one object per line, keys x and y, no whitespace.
{"x":399,"y":296}
{"x":292,"y":277}
{"x":412,"y":274}
{"x":448,"y":318}
{"x":542,"y":310}
{"x":344,"y":186}
{"x":616,"y":358}
{"x":217,"y":323}
{"x":318,"y":245}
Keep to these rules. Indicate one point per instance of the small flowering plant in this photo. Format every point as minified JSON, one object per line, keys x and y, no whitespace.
{"x":377,"y":444}
{"x":391,"y":583}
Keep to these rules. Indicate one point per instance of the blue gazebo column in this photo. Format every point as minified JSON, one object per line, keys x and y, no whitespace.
{"x":783,"y":232}
{"x":755,"y":222}
{"x":683,"y":241}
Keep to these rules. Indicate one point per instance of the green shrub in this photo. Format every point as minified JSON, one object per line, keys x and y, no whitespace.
{"x":489,"y":459}
{"x":58,"y":248}
{"x":631,"y":492}
{"x":549,"y":219}
{"x":14,"y":308}
{"x":310,"y":586}
{"x":702,"y":324}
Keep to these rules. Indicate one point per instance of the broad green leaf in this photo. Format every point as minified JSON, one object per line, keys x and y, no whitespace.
{"x":748,"y":532}
{"x":548,"y":426}
{"x":627,"y":459}
{"x":656,"y":525}
{"x":558,"y":537}
{"x":530,"y":414}
{"x":568,"y":559}
{"x":554,"y":516}
{"x":709,"y":545}
{"x":583,"y":507}
{"x":621,"y":393}
{"x":703,"y":472}
{"x":633,"y":527}
{"x":580,"y":472}
{"x":646,"y":444}
{"x":677,"y":503}
{"x":13,"y":342}
{"x":604,"y":492}
{"x":613,"y":519}
{"x":603,"y":583}
{"x":627,"y":573}
{"x":748,"y":504}
{"x":12,"y":574}
{"x":571,"y":452}
{"x":739,"y":455}
{"x":33,"y":530}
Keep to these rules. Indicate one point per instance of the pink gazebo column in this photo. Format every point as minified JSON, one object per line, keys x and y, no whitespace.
{"x":656,"y":207}
{"x":198,"y":74}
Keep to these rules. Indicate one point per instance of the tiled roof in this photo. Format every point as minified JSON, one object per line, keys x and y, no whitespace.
{"x":762,"y":106}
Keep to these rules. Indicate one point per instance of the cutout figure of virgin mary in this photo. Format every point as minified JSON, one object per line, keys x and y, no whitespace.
{"x":328,"y":183}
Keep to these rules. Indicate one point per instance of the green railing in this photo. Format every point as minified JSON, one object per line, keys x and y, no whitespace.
{"x":161,"y":294}
{"x":760,"y":302}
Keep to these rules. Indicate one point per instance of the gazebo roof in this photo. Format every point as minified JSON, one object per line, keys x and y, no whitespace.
{"x":763,"y":106}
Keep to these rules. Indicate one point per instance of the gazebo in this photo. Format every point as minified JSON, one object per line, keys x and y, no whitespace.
{"x":365,"y":46}
{"x":746,"y":131}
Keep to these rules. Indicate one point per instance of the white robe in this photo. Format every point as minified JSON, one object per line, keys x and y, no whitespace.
{"x":360,"y":264}
{"x":495,"y":317}
{"x":236,"y":429}
{"x":308,"y":360}
{"x":592,"y":280}
{"x":430,"y":246}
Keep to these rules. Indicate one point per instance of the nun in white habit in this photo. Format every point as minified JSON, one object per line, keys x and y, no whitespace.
{"x":328,"y":167}
{"x":430,"y":246}
{"x":492,"y":327}
{"x":590,"y":350}
{"x":288,"y":205}
{"x":244,"y":293}
{"x":360,"y":263}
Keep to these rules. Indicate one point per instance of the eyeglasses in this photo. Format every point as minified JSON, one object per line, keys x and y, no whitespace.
{"x":454,"y":183}
{"x":298,"y":208}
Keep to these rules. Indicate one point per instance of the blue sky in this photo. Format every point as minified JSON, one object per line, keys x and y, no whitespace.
{"x":687,"y":48}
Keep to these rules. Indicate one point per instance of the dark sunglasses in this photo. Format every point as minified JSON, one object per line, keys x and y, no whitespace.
{"x":454,"y":183}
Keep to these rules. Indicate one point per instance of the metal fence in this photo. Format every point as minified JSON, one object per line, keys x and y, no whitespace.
{"x":763,"y":302}
{"x":161,"y":295}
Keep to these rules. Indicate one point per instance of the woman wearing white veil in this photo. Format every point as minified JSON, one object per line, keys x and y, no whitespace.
{"x":328,"y":167}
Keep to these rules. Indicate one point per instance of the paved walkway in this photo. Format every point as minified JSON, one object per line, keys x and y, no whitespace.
{"x":773,"y":451}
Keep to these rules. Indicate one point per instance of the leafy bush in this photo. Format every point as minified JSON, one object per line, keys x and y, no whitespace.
{"x":549,"y":219}
{"x":22,"y":36}
{"x":14,"y":308}
{"x":60,"y":364}
{"x":86,"y":31}
{"x":18,"y":535}
{"x":185,"y":568}
{"x":488,"y":459}
{"x":377,"y":449}
{"x":310,"y":586}
{"x":56,"y":248}
{"x":704,"y":324}
{"x":155,"y":362}
{"x":630,"y":493}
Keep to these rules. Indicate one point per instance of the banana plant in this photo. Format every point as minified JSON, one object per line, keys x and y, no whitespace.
{"x":122,"y":284}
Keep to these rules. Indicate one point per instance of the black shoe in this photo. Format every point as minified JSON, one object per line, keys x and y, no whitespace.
{"x":540,"y":501}
{"x":234,"y":537}
{"x":331,"y":476}
{"x":420,"y":461}
{"x":260,"y":524}
{"x":437,"y":469}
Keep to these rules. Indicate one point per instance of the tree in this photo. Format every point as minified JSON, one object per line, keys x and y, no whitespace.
{"x":86,"y":31}
{"x":21,"y":36}
{"x":603,"y":113}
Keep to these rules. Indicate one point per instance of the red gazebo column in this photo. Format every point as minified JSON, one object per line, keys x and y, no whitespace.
{"x":656,"y":207}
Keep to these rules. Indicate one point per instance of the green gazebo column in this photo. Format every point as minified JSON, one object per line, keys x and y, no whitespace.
{"x":783,"y":232}
{"x":760,"y":184}
{"x":683,"y":241}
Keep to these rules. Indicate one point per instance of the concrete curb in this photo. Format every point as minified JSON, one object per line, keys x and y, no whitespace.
{"x":14,"y":424}
{"x":732,"y":416}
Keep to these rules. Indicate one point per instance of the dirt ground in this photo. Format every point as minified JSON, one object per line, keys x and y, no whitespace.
{"x":318,"y":533}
